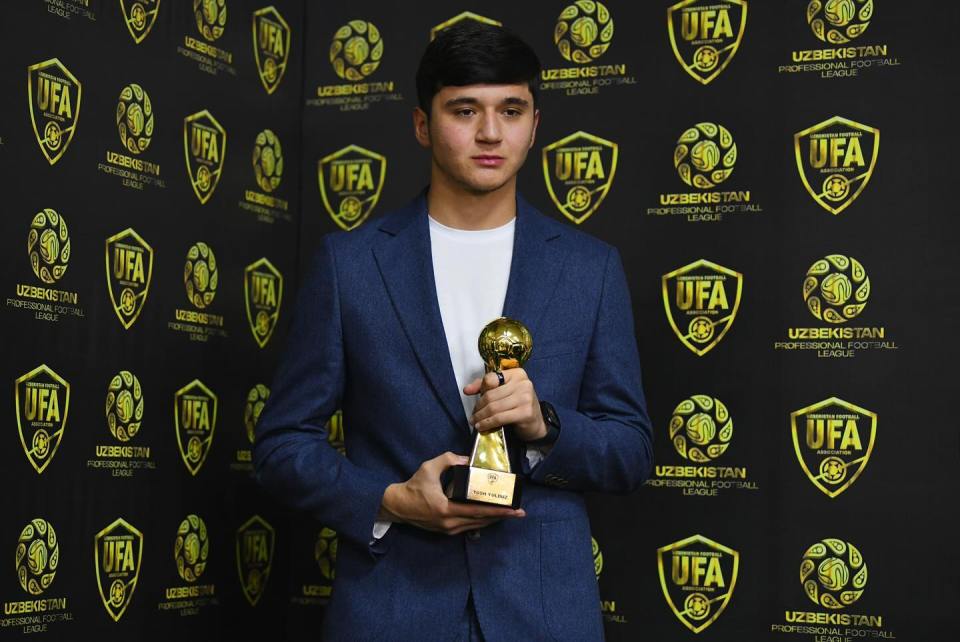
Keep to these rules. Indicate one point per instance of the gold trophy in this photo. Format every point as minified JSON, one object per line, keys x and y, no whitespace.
{"x":488,"y":479}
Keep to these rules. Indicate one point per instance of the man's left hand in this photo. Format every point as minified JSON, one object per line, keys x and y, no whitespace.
{"x":514,"y":403}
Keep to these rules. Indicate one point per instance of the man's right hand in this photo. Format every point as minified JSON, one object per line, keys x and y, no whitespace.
{"x":420,"y":501}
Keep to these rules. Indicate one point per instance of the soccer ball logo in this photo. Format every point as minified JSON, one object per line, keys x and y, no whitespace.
{"x":839,"y":21}
{"x":200,"y":275}
{"x":267,"y":160}
{"x":191,"y":548}
{"x":124,"y":405}
{"x":135,"y":118}
{"x":48,"y":245}
{"x":833,"y":573}
{"x":701,"y":428}
{"x":836,"y":288}
{"x":583,"y":31}
{"x":705,"y":155}
{"x":38,"y":553}
{"x":211,"y":17}
{"x":256,"y":400}
{"x":356,"y":50}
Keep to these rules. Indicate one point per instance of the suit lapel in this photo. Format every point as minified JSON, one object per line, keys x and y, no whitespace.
{"x":405,"y":262}
{"x":534,"y":269}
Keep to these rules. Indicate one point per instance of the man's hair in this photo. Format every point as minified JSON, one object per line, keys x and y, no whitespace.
{"x":472,"y":53}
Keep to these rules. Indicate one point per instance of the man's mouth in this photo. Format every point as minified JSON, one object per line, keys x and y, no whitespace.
{"x":488,"y":160}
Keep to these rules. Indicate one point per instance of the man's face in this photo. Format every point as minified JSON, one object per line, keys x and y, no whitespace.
{"x":479,"y":135}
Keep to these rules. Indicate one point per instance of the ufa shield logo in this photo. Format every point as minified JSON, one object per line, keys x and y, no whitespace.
{"x":836,"y":159}
{"x":53,"y":94}
{"x":350,"y":183}
{"x":42,"y":401}
{"x":578,"y":171}
{"x":705,"y":35}
{"x":701,"y":301}
{"x":833,"y":440}
{"x":263,"y":292}
{"x":271,"y":46}
{"x":204,"y":147}
{"x":139,"y":16}
{"x":118,"y":550}
{"x":195,"y":418}
{"x":255,"y":546}
{"x":698,"y":577}
{"x":129,"y":263}
{"x":460,"y":17}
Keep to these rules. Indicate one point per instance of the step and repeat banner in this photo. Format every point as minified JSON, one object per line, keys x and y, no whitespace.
{"x":168,"y":165}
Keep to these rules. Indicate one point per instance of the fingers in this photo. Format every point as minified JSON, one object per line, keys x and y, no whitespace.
{"x":479,"y":511}
{"x":473,"y":387}
{"x":435,"y":467}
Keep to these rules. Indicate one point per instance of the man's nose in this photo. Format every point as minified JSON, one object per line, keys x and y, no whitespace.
{"x":489,"y":131}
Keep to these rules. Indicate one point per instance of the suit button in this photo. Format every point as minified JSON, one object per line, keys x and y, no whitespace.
{"x":474,"y":535}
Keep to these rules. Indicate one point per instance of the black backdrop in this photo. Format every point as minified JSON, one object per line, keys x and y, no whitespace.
{"x":895,"y":518}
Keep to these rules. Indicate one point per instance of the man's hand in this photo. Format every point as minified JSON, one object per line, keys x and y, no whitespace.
{"x":420,"y":501}
{"x":514,"y":403}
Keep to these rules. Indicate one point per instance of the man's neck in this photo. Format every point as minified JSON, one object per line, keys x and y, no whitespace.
{"x":458,"y":208}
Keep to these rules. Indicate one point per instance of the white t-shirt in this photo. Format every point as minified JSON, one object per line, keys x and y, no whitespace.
{"x":471,"y":269}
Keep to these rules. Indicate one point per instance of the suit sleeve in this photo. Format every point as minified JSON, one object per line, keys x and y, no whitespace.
{"x":292,"y":457}
{"x":605,"y":443}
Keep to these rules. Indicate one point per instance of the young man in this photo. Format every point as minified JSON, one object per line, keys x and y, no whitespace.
{"x":386,"y":328}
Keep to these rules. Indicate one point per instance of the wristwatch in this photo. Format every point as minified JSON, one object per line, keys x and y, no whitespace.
{"x":553,"y":426}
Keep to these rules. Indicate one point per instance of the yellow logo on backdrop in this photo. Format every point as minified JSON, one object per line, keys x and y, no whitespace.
{"x":267,"y":160}
{"x":211,"y":17}
{"x":124,"y":405}
{"x":597,"y":557}
{"x":204,"y":147}
{"x":836,"y":288}
{"x":833,"y":573}
{"x":201,"y":275}
{"x":48,"y":244}
{"x":195,"y":418}
{"x":705,"y":155}
{"x":460,"y":17}
{"x":839,"y":21}
{"x":42,"y":401}
{"x":356,"y":50}
{"x":701,"y":578}
{"x":129,"y":263}
{"x":583,"y":31}
{"x":833,"y":440}
{"x":118,"y":551}
{"x":255,"y":546}
{"x":702,"y":298}
{"x":53,"y":96}
{"x":579,"y":171}
{"x":271,"y":46}
{"x":836,"y":159}
{"x":38,"y":554}
{"x":350,"y":183}
{"x":335,"y":434}
{"x":701,"y":428}
{"x":263,"y":293}
{"x":135,"y":118}
{"x":191,"y":548}
{"x":256,"y":400}
{"x":325,"y":552}
{"x":705,"y":35}
{"x":139,"y":16}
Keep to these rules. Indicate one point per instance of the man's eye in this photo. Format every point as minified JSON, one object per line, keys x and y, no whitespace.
{"x":512,"y":112}
{"x":465,"y":112}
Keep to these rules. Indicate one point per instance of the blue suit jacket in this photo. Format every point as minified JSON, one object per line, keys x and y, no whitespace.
{"x":367,"y":337}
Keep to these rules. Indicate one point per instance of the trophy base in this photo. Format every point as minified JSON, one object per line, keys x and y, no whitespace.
{"x":484,"y":486}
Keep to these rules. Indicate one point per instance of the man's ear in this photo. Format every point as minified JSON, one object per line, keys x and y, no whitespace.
{"x":533,"y":132}
{"x":421,"y":127}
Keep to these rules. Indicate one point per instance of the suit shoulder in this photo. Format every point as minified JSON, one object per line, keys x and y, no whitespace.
{"x":576,"y":240}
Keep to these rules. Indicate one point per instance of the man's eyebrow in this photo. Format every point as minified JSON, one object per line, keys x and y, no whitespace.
{"x":470,"y":100}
